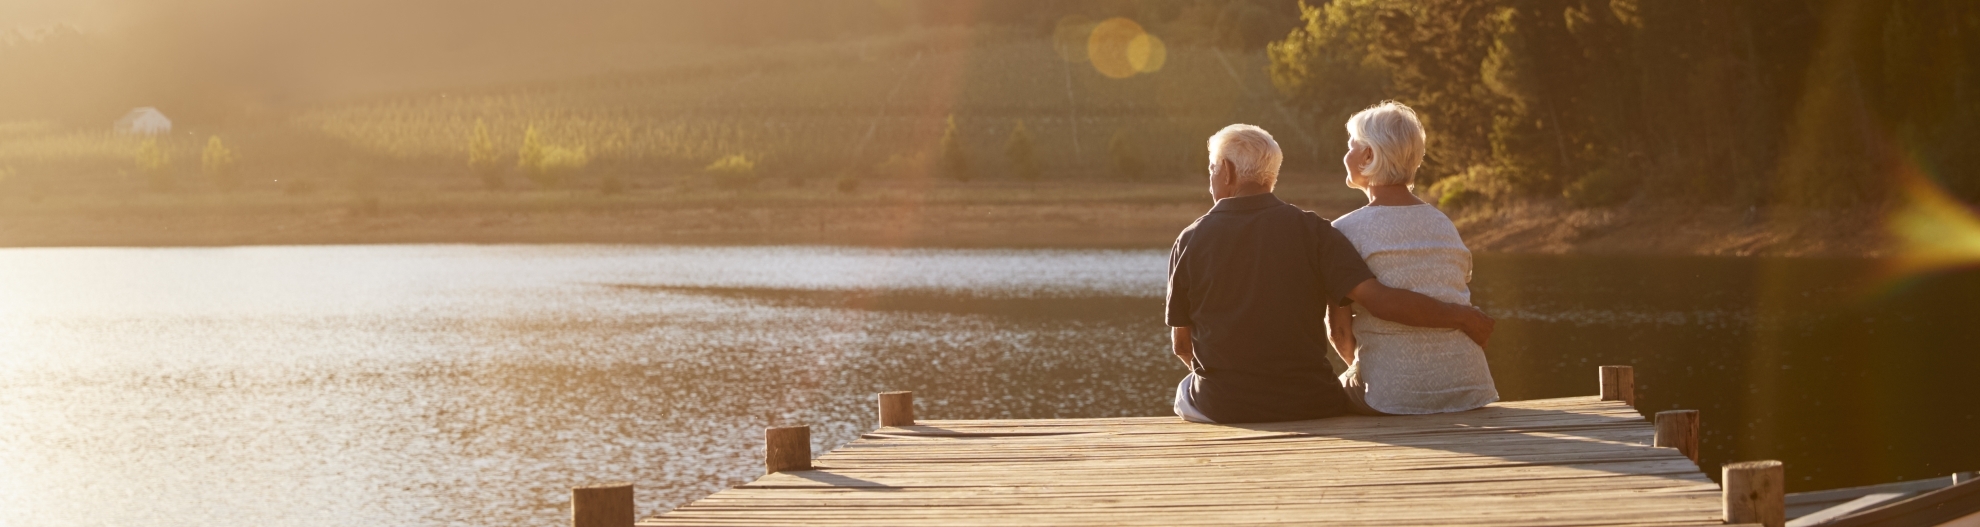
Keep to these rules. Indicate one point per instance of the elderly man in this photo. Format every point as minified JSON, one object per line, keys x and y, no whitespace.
{"x":1249,"y":286}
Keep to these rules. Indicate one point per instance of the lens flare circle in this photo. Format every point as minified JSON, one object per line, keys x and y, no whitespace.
{"x":1147,"y":53}
{"x":1107,"y":47}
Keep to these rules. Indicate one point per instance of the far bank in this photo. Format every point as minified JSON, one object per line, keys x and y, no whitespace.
{"x":936,"y":214}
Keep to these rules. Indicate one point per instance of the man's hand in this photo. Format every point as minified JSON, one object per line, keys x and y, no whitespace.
{"x":1185,"y":349}
{"x":1478,"y":325}
{"x":1411,"y":308}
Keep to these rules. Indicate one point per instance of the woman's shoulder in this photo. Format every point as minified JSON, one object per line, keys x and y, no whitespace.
{"x":1371,"y":214}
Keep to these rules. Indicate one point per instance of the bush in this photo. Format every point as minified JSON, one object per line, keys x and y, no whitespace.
{"x":156,"y":164}
{"x":611,"y":185}
{"x":733,"y":172}
{"x":218,"y":163}
{"x":1126,"y":157}
{"x":1022,"y":153}
{"x":1604,"y":186}
{"x":548,"y":165}
{"x":848,"y":183}
{"x":955,"y":158}
{"x":1471,"y":187}
{"x":1452,"y":194}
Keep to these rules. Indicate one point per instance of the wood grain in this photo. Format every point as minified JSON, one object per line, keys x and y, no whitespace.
{"x":1574,"y":461}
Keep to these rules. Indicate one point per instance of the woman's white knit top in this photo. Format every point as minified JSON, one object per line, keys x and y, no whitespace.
{"x":1407,"y":369}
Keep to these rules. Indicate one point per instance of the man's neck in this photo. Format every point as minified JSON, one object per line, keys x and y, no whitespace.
{"x":1392,"y":196}
{"x":1248,"y":190}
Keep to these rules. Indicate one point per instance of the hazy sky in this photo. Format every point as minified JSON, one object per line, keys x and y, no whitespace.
{"x":36,"y":14}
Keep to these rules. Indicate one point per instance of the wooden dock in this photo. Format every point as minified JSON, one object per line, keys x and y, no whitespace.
{"x":1573,"y":461}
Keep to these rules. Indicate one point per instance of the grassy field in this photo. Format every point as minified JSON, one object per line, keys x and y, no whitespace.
{"x":871,"y":110}
{"x":846,"y":143}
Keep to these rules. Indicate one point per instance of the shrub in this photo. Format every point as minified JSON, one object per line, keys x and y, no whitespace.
{"x":955,"y":158}
{"x":548,"y":165}
{"x":156,"y":164}
{"x":1452,"y":194}
{"x":1474,"y":186}
{"x":733,"y":172}
{"x":1022,"y":153}
{"x":218,"y":163}
{"x":848,"y":183}
{"x":1601,"y":187}
{"x":611,"y":185}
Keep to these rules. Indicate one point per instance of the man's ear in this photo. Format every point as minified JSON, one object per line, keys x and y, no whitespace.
{"x":1229,"y":172}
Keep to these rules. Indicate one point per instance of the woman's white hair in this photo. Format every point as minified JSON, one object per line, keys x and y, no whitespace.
{"x":1392,"y":131}
{"x":1251,"y":151}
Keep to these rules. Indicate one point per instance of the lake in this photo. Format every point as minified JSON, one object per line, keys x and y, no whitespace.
{"x":453,"y":384}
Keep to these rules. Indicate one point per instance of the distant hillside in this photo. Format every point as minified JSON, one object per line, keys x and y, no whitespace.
{"x":873,"y":109}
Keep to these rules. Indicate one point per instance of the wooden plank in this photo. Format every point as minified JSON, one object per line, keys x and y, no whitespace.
{"x":1574,"y":461}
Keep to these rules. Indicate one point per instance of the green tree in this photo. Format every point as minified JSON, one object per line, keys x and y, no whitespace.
{"x":217,"y":161}
{"x":1328,"y":66}
{"x":155,"y":163}
{"x":546,"y":165}
{"x":955,"y":157}
{"x":483,"y":158}
{"x":1126,"y":157}
{"x":529,"y":158}
{"x":1022,"y":153}
{"x":732,"y":172}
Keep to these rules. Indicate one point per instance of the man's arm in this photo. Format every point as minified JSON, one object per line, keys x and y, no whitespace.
{"x":1185,"y":350}
{"x":1412,"y":308}
{"x":1340,"y":332}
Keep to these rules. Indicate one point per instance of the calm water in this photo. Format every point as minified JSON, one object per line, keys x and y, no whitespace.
{"x":437,"y":385}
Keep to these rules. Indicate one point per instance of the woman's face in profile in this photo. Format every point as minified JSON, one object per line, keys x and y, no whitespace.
{"x":1358,"y":156}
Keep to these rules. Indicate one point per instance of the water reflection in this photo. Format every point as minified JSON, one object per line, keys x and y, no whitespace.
{"x":438,"y":385}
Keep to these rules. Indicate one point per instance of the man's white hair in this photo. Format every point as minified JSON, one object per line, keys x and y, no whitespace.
{"x":1392,"y":131}
{"x":1251,"y":151}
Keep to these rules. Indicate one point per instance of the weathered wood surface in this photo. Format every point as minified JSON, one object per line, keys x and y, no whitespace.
{"x":1575,"y":461}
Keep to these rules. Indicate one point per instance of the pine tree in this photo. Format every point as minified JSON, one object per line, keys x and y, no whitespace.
{"x":482,"y":156}
{"x":1022,"y":153}
{"x":955,"y":159}
{"x":1126,"y":158}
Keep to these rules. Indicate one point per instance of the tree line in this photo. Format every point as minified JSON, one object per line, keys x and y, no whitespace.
{"x":1755,"y":102}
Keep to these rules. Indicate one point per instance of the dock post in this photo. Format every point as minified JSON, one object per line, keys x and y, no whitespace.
{"x":1754,"y":493}
{"x":1619,"y":384}
{"x":897,"y":409}
{"x":1678,"y":429}
{"x":787,"y":449}
{"x":608,"y":505}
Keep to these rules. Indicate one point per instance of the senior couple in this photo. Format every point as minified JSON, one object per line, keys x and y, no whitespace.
{"x":1251,"y":282}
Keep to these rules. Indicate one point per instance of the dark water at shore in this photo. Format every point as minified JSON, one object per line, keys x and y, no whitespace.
{"x":439,"y":385}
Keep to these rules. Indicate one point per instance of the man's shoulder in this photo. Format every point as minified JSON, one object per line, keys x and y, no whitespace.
{"x":1190,"y":231}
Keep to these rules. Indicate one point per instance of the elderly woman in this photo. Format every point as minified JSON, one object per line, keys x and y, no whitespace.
{"x":1395,"y":368}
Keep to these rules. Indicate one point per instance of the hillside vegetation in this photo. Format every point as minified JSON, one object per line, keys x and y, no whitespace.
{"x":1554,"y":124}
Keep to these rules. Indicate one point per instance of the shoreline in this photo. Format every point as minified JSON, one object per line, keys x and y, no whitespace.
{"x":1066,"y":215}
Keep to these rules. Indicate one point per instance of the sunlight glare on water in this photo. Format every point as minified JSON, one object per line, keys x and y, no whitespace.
{"x":457,"y":384}
{"x":407,"y":385}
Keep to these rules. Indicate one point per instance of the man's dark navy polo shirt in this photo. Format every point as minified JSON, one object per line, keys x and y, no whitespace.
{"x":1252,"y":280}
